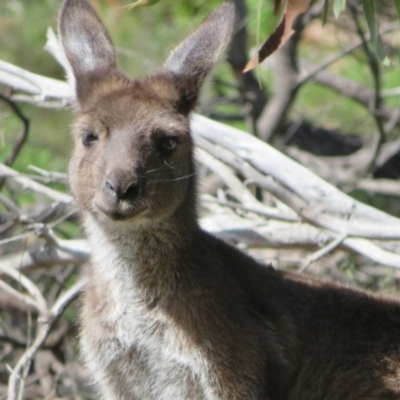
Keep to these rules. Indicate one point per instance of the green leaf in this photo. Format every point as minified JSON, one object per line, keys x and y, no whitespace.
{"x":372,"y":20}
{"x":338,"y":7}
{"x":397,"y":4}
{"x":325,"y":11}
{"x":387,"y":62}
{"x":141,"y":3}
{"x":279,"y":9}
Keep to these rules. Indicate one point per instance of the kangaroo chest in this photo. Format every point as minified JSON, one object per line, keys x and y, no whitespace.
{"x":134,"y":352}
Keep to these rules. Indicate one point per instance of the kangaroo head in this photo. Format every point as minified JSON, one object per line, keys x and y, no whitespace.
{"x":133,"y":150}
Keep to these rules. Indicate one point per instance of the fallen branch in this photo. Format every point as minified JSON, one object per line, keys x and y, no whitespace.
{"x":298,"y":180}
{"x":47,"y":323}
{"x":319,"y":204}
{"x":23,"y":136}
{"x":34,"y":186}
{"x":383,"y":186}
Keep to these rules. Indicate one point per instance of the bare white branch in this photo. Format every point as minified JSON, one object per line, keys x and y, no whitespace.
{"x":239,"y":190}
{"x":336,"y":210}
{"x":325,"y":210}
{"x":47,"y":323}
{"x":23,"y":298}
{"x":32,"y":185}
{"x":40,"y":86}
{"x":32,"y":289}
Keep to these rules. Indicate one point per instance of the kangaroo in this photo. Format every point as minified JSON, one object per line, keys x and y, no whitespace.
{"x":171,"y":312}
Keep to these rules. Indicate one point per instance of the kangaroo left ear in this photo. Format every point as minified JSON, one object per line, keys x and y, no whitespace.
{"x":86,"y":42}
{"x":194,"y":58}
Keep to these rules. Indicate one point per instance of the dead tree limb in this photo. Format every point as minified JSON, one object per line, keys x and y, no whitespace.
{"x":317,"y":203}
{"x":47,"y":323}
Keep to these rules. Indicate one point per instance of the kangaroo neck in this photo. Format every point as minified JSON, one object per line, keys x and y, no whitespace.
{"x":141,"y":255}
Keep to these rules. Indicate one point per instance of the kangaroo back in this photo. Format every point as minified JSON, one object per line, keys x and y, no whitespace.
{"x":170,"y":312}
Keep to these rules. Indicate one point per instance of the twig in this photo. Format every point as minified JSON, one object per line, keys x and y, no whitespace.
{"x":391,"y":92}
{"x":239,"y":190}
{"x":16,"y":238}
{"x":388,"y":150}
{"x":37,"y":187}
{"x":33,"y":290}
{"x":285,"y":69}
{"x":54,"y":47}
{"x":252,"y":95}
{"x":39,"y":101}
{"x":353,"y":90}
{"x":56,"y":311}
{"x":77,"y":247}
{"x":34,"y":84}
{"x":48,"y":256}
{"x":10,"y":205}
{"x":12,"y":340}
{"x":66,"y":298}
{"x":27,"y":365}
{"x":376,"y":75}
{"x":393,"y":121}
{"x":260,"y":211}
{"x":305,"y":75}
{"x":279,"y":234}
{"x":285,"y":88}
{"x":18,"y":295}
{"x":322,"y":252}
{"x":22,"y":138}
{"x":50,"y":175}
{"x":385,"y":186}
{"x":373,"y":252}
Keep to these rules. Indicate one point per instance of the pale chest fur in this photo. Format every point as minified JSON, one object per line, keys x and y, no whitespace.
{"x":133,"y":351}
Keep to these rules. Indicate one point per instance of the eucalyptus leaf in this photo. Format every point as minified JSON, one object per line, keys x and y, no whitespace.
{"x":338,"y":7}
{"x":141,"y":3}
{"x":397,"y":4}
{"x":325,"y":11}
{"x":373,"y":25}
{"x":283,"y":31}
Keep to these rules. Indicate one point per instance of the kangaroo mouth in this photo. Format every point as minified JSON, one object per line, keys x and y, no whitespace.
{"x":122,"y":211}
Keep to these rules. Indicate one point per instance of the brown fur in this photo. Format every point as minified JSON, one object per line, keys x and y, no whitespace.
{"x":170,"y":311}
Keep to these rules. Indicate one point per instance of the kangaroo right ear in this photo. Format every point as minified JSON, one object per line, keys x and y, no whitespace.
{"x":195,"y":57}
{"x":86,"y":42}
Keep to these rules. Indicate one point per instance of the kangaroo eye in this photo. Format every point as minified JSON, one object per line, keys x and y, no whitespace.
{"x":168,"y":145}
{"x":88,"y":138}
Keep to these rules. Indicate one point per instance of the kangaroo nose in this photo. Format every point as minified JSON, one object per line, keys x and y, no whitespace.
{"x":119,"y":186}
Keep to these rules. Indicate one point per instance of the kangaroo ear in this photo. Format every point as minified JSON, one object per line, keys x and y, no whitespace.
{"x":194,"y":58}
{"x":86,"y":42}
